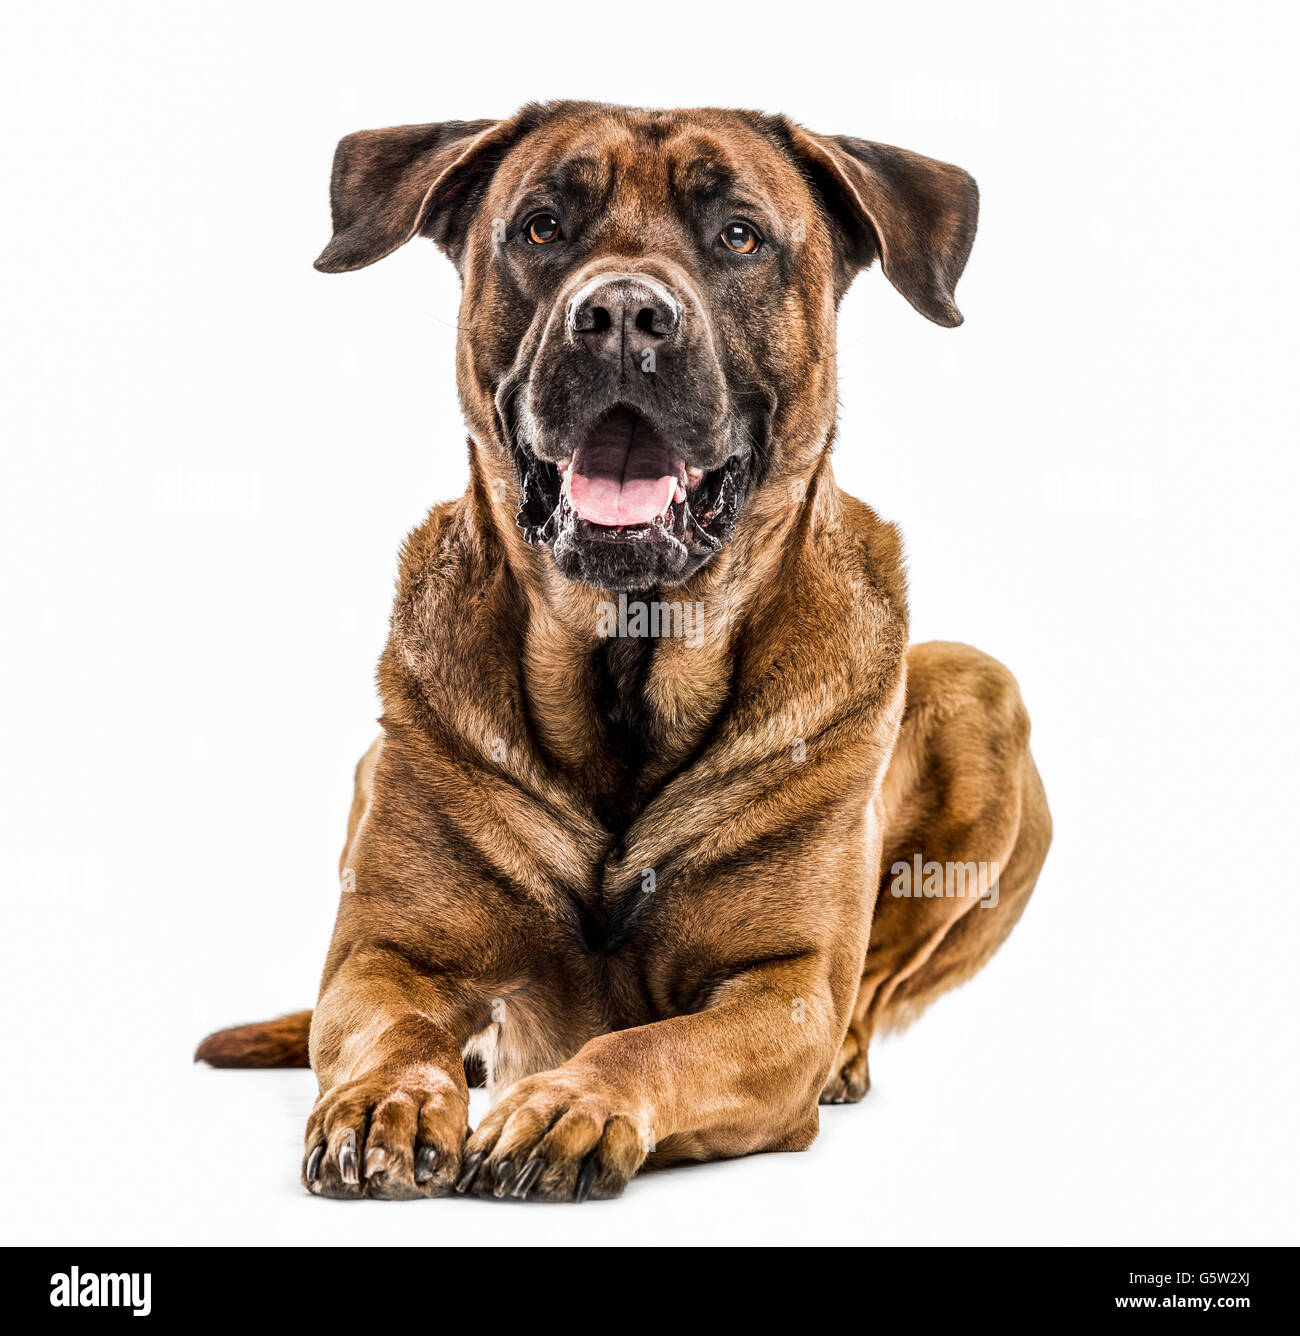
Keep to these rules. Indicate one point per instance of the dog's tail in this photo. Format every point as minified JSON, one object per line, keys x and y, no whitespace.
{"x":278,"y":1043}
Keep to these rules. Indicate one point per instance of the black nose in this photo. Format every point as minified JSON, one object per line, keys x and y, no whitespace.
{"x":624,"y":316}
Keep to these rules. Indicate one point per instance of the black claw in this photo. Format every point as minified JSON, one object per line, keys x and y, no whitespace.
{"x":425,"y":1159}
{"x":505,"y":1176}
{"x":348,"y":1158}
{"x":528,"y":1175}
{"x":587,"y":1176}
{"x":469,"y":1172}
{"x":313,"y":1161}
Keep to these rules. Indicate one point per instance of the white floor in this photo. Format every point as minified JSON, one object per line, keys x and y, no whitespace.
{"x":979,"y":1130}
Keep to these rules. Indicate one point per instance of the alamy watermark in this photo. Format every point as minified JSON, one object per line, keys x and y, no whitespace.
{"x":237,"y":491}
{"x":981,"y":102}
{"x":929,"y":880}
{"x":635,"y":619}
{"x":96,"y":1289}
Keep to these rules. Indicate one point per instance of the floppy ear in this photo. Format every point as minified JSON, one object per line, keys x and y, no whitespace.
{"x":391,"y":185}
{"x":918,"y":214}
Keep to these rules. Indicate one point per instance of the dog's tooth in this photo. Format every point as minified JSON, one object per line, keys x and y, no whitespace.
{"x":694,"y":473}
{"x":563,"y":464}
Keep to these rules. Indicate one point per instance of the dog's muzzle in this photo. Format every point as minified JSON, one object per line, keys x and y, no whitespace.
{"x":632,"y":469}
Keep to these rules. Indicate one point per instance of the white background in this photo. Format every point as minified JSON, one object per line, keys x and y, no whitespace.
{"x":211,"y":454}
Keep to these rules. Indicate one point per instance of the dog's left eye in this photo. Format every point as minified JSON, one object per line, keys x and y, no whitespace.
{"x":542,"y":228}
{"x":741,"y":238}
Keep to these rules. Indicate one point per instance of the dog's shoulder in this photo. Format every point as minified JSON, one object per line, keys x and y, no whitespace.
{"x":868,"y":551}
{"x":837,"y":614}
{"x":441,"y":556}
{"x":446,"y":611}
{"x":853,"y":576}
{"x":853,"y":571}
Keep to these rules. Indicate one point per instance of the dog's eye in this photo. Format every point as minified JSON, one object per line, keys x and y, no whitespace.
{"x":542,"y":228}
{"x":741,"y":238}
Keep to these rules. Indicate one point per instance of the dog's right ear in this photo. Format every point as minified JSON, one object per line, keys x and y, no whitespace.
{"x":414,"y":180}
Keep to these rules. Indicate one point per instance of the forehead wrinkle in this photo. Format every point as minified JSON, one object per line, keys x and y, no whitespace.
{"x":582,"y":181}
{"x":660,"y":167}
{"x":637,"y":180}
{"x":701,"y":169}
{"x":558,"y":153}
{"x":708,"y":169}
{"x":585,"y":179}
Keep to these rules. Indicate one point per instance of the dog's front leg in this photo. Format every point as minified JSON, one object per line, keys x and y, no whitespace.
{"x":393,"y":1110}
{"x":741,"y":1075}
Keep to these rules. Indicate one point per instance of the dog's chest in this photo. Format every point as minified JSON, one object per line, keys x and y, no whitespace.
{"x":637,"y":749}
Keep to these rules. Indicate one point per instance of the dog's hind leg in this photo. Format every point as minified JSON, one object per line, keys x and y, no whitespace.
{"x":966,"y":832}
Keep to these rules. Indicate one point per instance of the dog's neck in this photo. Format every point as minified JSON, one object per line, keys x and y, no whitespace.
{"x":623,"y":690}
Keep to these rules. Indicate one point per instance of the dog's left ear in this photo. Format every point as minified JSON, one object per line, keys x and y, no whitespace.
{"x":918,"y":214}
{"x":388,"y":186}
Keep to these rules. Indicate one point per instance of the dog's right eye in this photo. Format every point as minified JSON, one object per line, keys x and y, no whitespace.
{"x":740,"y":237}
{"x":542,"y":228}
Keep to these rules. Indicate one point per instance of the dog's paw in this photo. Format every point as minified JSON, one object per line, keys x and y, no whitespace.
{"x":556,"y":1137}
{"x":380,"y":1137}
{"x":849,"y":1079}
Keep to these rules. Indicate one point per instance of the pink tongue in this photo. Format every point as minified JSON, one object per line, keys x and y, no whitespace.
{"x":623,"y":472}
{"x":610,"y":501}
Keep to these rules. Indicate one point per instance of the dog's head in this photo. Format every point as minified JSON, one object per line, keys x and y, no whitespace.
{"x":647,"y":325}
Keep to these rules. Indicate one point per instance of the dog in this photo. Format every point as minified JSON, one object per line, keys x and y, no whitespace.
{"x":652,"y":887}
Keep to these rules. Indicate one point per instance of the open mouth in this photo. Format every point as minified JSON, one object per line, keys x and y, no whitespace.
{"x":626,"y":486}
{"x":623,"y":473}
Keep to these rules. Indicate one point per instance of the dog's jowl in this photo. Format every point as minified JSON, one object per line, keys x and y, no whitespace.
{"x":638,"y":879}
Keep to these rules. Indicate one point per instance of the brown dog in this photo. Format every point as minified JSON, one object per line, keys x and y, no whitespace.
{"x":651,"y":732}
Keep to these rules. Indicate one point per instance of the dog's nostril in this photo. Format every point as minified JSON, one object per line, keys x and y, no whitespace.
{"x":592,"y":320}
